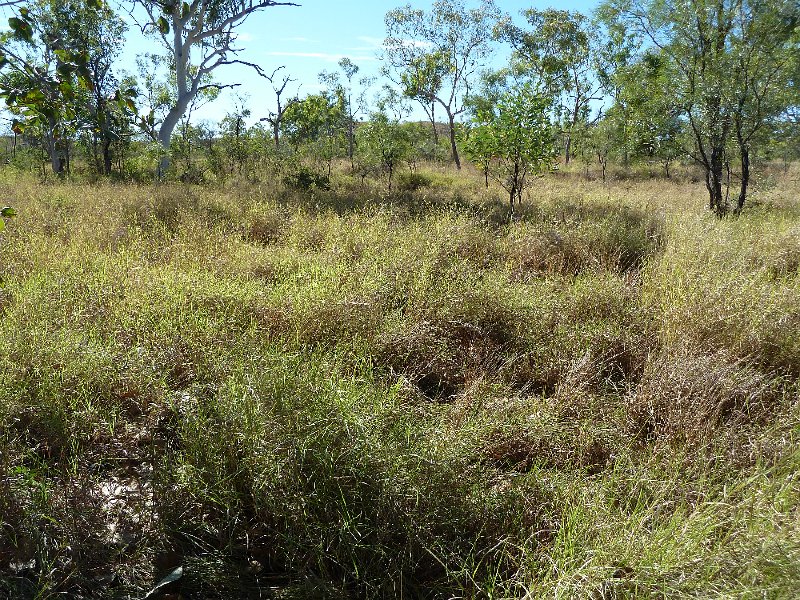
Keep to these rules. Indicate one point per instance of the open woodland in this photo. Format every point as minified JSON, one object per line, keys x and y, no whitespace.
{"x":545,"y":345}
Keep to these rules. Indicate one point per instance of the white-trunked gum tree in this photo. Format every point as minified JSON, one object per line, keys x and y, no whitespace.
{"x":199,"y":36}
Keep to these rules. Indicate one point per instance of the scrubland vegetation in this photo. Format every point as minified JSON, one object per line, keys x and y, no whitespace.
{"x":346,"y":393}
{"x":331,"y":351}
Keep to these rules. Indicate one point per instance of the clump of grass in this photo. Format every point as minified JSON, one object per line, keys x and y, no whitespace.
{"x":617,"y":239}
{"x":691,"y":396}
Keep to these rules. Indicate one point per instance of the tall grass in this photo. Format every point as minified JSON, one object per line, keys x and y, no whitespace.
{"x":355,"y":395}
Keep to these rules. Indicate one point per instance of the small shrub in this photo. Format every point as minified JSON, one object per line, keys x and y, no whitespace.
{"x":306,"y":179}
{"x":411,"y":182}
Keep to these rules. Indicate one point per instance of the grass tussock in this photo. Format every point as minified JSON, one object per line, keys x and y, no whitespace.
{"x":345,"y":393}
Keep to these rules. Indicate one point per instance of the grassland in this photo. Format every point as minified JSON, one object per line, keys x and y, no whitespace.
{"x":344,"y":394}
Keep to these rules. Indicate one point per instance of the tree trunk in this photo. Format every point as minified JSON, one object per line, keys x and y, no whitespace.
{"x":567,"y":148}
{"x":165,"y":132}
{"x":57,"y":163}
{"x":187,"y":90}
{"x":453,"y":148}
{"x":276,"y":130}
{"x":745,"y":152}
{"x":714,"y":182}
{"x":106,"y":157}
{"x":351,"y":136}
{"x":432,"y":116}
{"x":54,"y":150}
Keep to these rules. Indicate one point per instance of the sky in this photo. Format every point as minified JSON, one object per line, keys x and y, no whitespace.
{"x":306,"y":40}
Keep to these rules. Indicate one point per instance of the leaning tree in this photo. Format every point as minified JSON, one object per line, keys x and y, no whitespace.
{"x":199,"y":36}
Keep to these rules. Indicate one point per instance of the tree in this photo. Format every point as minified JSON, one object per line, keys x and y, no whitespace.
{"x":199,"y":38}
{"x":513,"y":140}
{"x":728,"y":61}
{"x":44,"y":72}
{"x":104,"y":107}
{"x":315,"y":122}
{"x":275,"y":117}
{"x":158,"y":91}
{"x":384,"y":142}
{"x":644,"y":119}
{"x":235,"y":138}
{"x":766,"y":44}
{"x":353,"y":106}
{"x":560,"y":50}
{"x":435,"y":55}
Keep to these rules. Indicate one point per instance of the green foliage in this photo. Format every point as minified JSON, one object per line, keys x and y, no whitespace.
{"x":56,"y":77}
{"x":728,"y":65}
{"x":384,"y":143}
{"x":439,"y":71}
{"x":560,"y":52}
{"x":513,"y":141}
{"x":6,"y":213}
{"x":316,"y":126}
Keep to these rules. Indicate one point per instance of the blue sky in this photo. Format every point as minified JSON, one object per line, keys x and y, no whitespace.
{"x":308,"y":39}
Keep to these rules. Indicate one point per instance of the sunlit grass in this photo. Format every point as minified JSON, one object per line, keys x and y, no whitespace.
{"x":352,"y":394}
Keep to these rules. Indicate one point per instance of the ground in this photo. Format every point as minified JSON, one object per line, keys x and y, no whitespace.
{"x":348,"y":394}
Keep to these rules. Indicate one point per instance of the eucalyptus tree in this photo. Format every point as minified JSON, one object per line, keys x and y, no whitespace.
{"x":730,"y":64}
{"x":157,"y":93}
{"x":435,"y":55}
{"x":355,"y":100}
{"x":199,"y":37}
{"x":559,"y":49}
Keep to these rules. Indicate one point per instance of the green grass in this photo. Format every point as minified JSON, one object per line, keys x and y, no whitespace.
{"x":348,"y":394}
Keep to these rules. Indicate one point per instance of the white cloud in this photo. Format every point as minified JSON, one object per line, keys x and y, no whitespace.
{"x":377,"y":43}
{"x":244,"y":36}
{"x":303,"y":40}
{"x":326,"y":56}
{"x":372,"y":42}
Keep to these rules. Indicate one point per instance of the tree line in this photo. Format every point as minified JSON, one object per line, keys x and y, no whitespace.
{"x":714,"y":82}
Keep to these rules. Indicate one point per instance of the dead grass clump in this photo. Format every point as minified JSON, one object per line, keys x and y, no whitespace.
{"x":440,"y":357}
{"x":786,"y":264}
{"x":537,"y":371}
{"x":544,"y":253}
{"x":562,"y":446}
{"x":577,"y":240}
{"x":331,"y":322}
{"x":781,"y":257}
{"x":266,"y":228}
{"x":689,"y":395}
{"x":422,"y":355}
{"x":161,"y":206}
{"x":469,"y":242}
{"x":609,"y":370}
